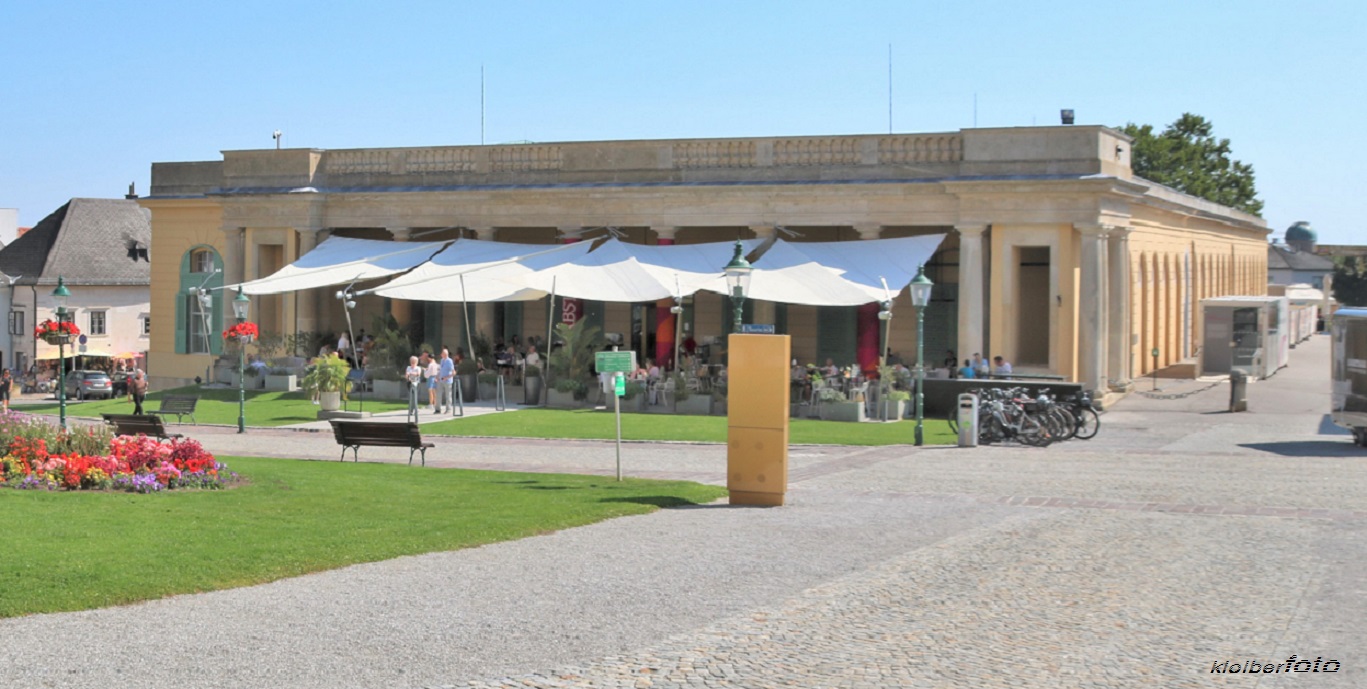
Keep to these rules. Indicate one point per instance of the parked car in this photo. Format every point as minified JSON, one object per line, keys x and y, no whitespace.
{"x":89,"y":384}
{"x":120,"y":380}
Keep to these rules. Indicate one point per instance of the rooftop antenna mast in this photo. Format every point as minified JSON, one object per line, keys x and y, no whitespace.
{"x":277,"y":135}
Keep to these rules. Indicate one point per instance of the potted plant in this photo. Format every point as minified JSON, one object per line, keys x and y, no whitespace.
{"x":531,"y":385}
{"x":685,"y":402}
{"x":572,"y":361}
{"x":894,"y":405}
{"x":281,"y":378}
{"x":329,"y":379}
{"x":467,"y":376}
{"x":567,"y":393}
{"x":633,"y":396}
{"x":834,"y":407}
{"x":488,"y":385}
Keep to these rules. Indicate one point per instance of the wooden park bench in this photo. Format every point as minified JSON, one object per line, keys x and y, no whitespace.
{"x":139,"y":424}
{"x":180,"y":405}
{"x":354,"y":434}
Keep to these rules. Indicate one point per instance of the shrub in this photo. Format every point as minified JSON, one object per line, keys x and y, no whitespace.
{"x":329,"y":374}
{"x":532,"y":371}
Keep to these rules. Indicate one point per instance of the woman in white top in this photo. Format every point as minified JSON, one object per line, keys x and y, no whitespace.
{"x":413,"y":374}
{"x":432,"y":373}
{"x":532,"y":359}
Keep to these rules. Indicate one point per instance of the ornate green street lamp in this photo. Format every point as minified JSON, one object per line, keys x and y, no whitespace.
{"x":920,"y":298}
{"x":60,"y":297}
{"x":241,"y":305}
{"x":738,"y":283}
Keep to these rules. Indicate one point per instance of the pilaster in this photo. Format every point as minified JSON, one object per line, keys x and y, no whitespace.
{"x":1092,"y":307}
{"x":1119,"y":366}
{"x":401,"y":309}
{"x":971,"y":291}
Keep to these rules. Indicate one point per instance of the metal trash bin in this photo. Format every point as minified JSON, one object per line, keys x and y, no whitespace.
{"x":1238,"y":391}
{"x":968,"y":420}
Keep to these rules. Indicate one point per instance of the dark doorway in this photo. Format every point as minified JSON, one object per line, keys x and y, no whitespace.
{"x":1032,"y":306}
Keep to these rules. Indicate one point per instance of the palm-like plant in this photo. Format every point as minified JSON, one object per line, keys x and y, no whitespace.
{"x":329,"y":374}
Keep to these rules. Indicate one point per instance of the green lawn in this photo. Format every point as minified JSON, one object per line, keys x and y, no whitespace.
{"x":216,"y":406}
{"x":75,"y":551}
{"x":600,"y":425}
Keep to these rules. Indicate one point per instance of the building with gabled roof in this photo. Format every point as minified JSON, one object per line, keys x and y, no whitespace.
{"x":100,"y":248}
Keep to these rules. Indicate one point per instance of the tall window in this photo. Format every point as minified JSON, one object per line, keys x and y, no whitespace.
{"x":195,"y":325}
{"x":16,"y":322}
{"x":145,"y":325}
{"x":98,"y":326}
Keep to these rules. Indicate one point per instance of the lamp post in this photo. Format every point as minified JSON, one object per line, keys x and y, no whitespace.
{"x":738,"y":283}
{"x":920,"y":297}
{"x":884,"y":384}
{"x":241,"y":305}
{"x":60,"y":296}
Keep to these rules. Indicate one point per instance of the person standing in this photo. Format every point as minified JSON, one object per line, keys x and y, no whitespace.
{"x":980,"y":369}
{"x":6,"y":382}
{"x":432,"y":373}
{"x":413,"y":374}
{"x":137,"y":389}
{"x":1000,"y":366}
{"x":446,"y":376}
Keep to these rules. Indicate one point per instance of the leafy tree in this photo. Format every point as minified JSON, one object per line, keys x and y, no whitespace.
{"x":1350,"y":280}
{"x":1186,"y":156}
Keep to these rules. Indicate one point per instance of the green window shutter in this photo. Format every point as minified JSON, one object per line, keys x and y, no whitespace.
{"x":182,"y":334}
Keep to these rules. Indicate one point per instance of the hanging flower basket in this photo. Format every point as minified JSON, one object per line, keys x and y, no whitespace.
{"x":242,"y":332}
{"x":55,"y":333}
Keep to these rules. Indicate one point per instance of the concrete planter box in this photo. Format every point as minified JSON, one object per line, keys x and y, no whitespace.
{"x":563,"y":400}
{"x":390,"y":389}
{"x":695,"y":405}
{"x":843,"y":411}
{"x":282,"y":383}
{"x":531,"y":390}
{"x":892,"y":410}
{"x":469,"y":386}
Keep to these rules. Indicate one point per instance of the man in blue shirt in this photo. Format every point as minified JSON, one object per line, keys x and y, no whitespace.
{"x":446,"y":375}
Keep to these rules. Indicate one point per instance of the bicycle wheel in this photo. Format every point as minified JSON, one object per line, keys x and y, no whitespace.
{"x":991,"y":430}
{"x":1068,"y":422}
{"x":1087,"y":423}
{"x":1033,"y":432}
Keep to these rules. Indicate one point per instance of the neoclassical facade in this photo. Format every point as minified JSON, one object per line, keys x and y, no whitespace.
{"x":1056,"y":256}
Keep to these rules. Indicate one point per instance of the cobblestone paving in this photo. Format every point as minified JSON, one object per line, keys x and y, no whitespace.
{"x":1022,"y":603}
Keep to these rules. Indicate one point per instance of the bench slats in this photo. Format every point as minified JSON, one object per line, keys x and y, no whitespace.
{"x":135,"y":424}
{"x":354,"y":434}
{"x":180,"y":405}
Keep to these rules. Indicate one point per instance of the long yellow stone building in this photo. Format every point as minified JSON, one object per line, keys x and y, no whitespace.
{"x":1056,"y":257}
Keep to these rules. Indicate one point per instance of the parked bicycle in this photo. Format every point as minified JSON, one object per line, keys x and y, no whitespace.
{"x":1014,"y":414}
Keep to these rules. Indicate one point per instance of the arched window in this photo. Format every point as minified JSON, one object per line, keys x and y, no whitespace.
{"x":197,"y":327}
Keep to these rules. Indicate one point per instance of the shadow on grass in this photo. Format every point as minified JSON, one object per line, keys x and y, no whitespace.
{"x":669,"y":501}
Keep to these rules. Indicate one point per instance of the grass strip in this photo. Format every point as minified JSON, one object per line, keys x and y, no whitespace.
{"x":585,"y":424}
{"x":76,"y":551}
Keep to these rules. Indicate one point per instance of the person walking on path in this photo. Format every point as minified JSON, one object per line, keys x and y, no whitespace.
{"x":6,"y":382}
{"x":137,"y":389}
{"x":446,"y":376}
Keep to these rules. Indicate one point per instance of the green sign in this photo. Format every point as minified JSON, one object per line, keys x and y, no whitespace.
{"x":1155,"y":352}
{"x":620,"y":385}
{"x":615,"y":362}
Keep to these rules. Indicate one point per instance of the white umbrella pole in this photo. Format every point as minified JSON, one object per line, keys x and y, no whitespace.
{"x":465,"y":310}
{"x":550,"y":325}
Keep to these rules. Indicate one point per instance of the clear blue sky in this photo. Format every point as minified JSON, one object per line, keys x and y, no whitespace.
{"x":92,"y":93}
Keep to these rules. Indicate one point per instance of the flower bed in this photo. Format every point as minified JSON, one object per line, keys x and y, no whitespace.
{"x":41,"y":456}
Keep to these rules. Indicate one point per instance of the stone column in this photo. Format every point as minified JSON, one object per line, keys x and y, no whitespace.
{"x":971,"y":291}
{"x":401,"y":309}
{"x":1092,"y":305}
{"x":306,"y":301}
{"x":234,"y":258}
{"x":1118,"y":365}
{"x":484,"y":313}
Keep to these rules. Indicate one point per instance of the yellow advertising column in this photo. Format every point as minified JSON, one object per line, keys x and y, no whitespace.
{"x":757,"y":419}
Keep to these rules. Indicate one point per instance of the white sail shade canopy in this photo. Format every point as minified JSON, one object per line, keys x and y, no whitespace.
{"x":473,"y":270}
{"x":341,"y":260}
{"x":835,"y":273}
{"x":492,"y":271}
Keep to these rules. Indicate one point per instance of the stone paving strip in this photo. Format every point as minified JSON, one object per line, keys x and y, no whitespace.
{"x":1081,"y":599}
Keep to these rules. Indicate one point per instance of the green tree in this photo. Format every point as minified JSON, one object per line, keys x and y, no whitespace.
{"x":1350,"y":280}
{"x":1187,"y":157}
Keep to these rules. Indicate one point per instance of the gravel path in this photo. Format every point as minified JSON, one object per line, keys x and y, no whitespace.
{"x":1177,"y":539}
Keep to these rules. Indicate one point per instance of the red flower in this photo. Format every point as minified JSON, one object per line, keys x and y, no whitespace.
{"x":248,"y":330}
